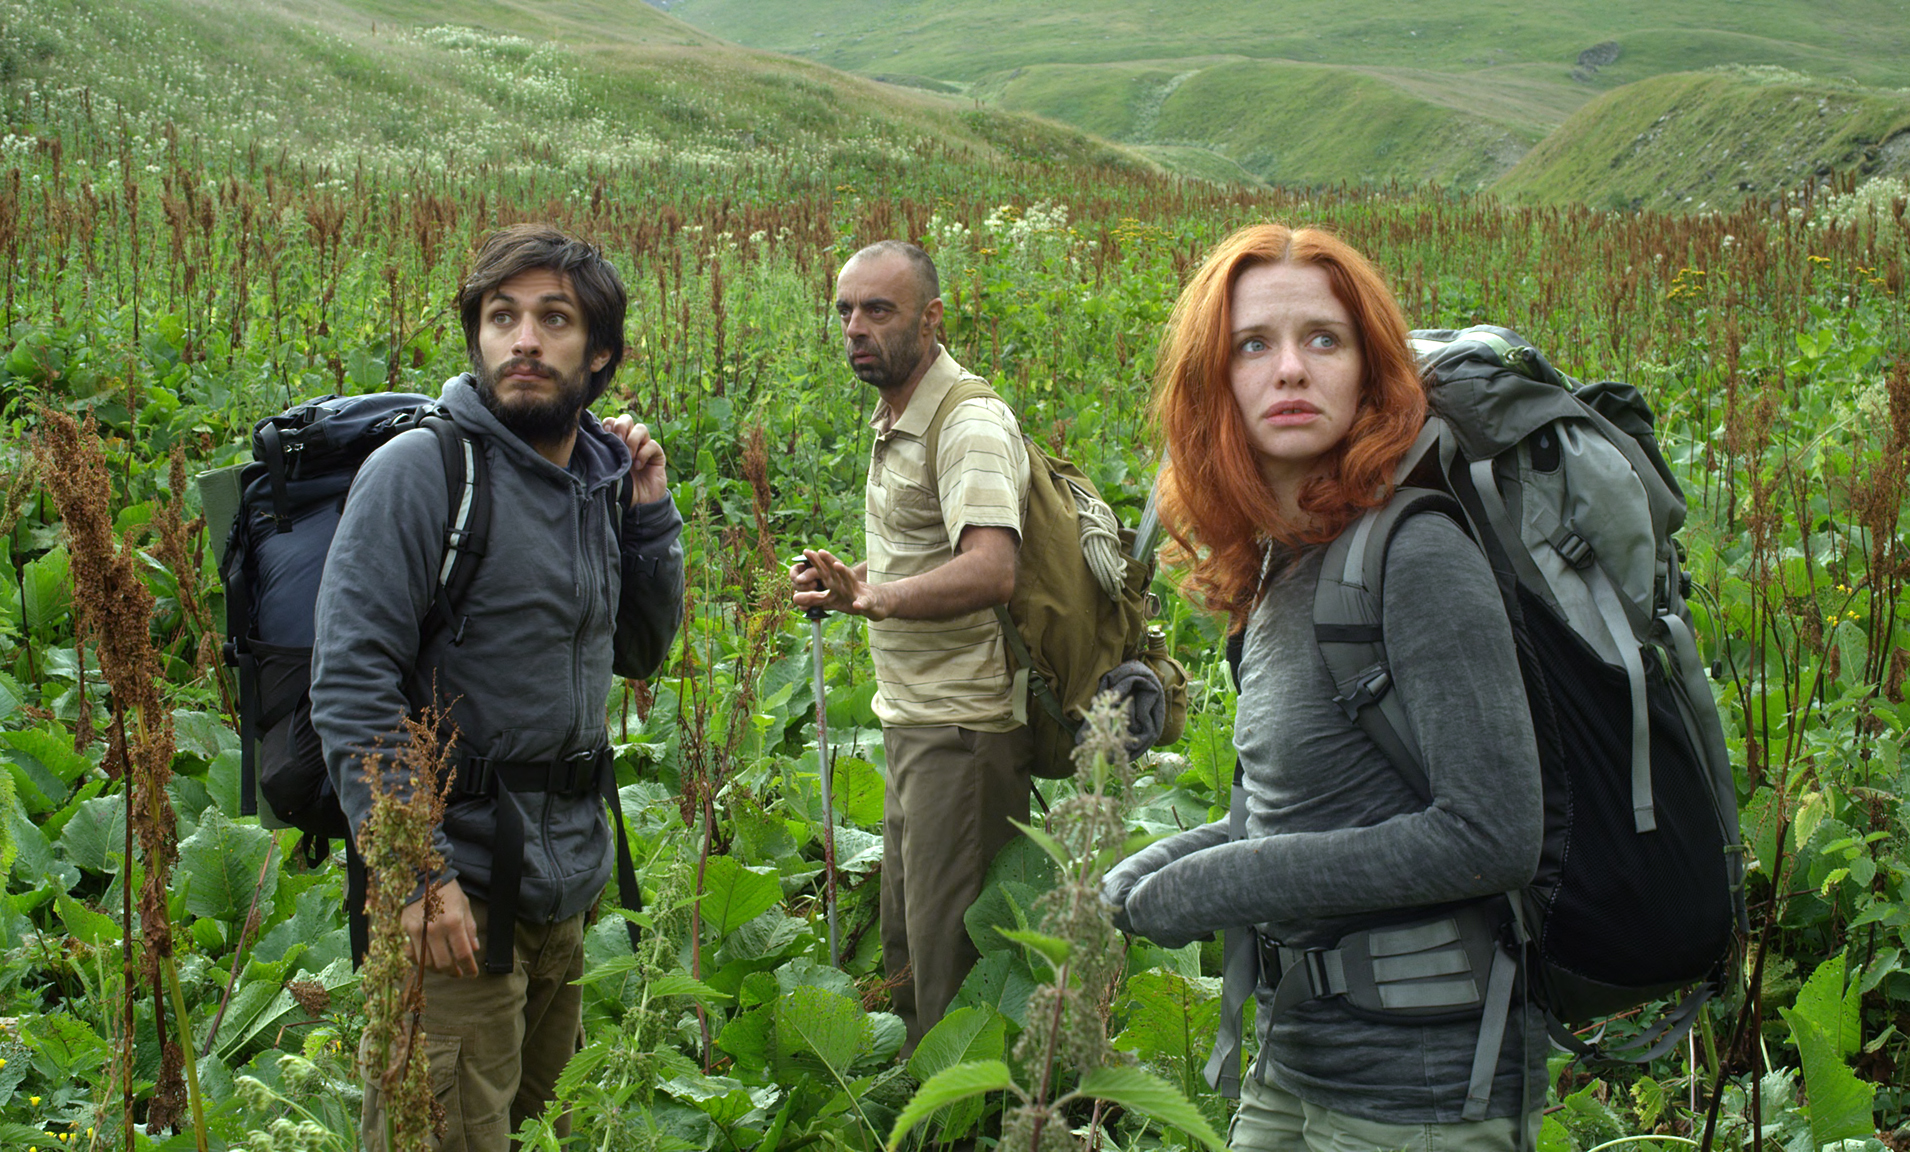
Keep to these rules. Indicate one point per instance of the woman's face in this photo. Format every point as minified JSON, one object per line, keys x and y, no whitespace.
{"x":1296,"y":368}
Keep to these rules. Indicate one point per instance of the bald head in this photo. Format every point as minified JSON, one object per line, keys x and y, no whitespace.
{"x":921,"y":267}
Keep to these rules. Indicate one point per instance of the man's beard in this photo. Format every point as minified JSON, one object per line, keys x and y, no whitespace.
{"x":894,"y":363}
{"x":536,"y":419}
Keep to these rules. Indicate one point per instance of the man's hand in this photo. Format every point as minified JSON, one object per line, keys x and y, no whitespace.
{"x":822,"y":581}
{"x":449,"y":944}
{"x":646,"y":459}
{"x":981,"y":575}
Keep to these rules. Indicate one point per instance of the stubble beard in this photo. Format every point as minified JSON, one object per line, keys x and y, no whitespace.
{"x":536,"y":420}
{"x":892,"y":366}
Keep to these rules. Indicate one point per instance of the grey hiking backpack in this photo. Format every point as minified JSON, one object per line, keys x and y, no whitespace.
{"x":1639,"y":889}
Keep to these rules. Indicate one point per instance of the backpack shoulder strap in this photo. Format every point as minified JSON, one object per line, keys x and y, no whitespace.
{"x":468,"y":525}
{"x":1347,"y":627}
{"x":967,"y":388}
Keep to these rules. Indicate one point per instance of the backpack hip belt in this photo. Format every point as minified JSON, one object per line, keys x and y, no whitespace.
{"x":1459,"y":966}
{"x":573,"y":775}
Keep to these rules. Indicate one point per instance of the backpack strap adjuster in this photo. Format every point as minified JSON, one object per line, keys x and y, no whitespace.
{"x":1367,"y":688}
{"x":1576,"y":550}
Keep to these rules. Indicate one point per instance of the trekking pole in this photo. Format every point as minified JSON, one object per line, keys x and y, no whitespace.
{"x":1149,"y":533}
{"x":816,"y":616}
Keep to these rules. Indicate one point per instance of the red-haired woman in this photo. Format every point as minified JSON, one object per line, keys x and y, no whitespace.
{"x":1287,"y":396}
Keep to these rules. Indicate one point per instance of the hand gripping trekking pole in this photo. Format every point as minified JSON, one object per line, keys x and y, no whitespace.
{"x":816,"y":616}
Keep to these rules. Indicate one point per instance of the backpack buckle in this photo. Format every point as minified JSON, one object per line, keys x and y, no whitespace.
{"x":477,"y":778}
{"x":1576,"y":550}
{"x":1368,"y":687}
{"x":575,"y":773}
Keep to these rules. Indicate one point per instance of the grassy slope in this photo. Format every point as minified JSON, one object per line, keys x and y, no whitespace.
{"x":1442,"y":90}
{"x":1689,"y":139}
{"x":604,"y":81}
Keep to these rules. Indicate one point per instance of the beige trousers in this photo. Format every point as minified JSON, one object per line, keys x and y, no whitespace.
{"x":1272,"y":1119}
{"x":951,"y":792}
{"x":498,"y":1042}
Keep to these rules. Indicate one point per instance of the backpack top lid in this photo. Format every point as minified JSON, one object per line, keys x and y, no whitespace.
{"x":334,"y":432}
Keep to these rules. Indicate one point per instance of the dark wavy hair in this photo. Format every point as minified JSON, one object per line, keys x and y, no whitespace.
{"x":534,"y":247}
{"x":1214,"y":501}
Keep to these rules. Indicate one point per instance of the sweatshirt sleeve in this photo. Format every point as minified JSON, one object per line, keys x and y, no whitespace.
{"x":1451,"y":651}
{"x":378,"y":582}
{"x":650,"y":604}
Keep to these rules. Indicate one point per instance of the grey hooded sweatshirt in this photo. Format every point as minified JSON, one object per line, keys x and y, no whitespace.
{"x":559,"y":601}
{"x":1335,"y":835}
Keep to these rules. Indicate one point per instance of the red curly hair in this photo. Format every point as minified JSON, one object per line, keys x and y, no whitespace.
{"x":1214,"y":501}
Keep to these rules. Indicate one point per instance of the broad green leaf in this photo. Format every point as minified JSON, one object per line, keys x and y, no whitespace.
{"x":747,"y":1037}
{"x":34,"y":857}
{"x":1826,"y":1002}
{"x":615,"y":966}
{"x":1000,"y":906}
{"x":1020,"y":862}
{"x":1138,"y":1090}
{"x":202,"y":734}
{"x":52,"y":750}
{"x":764,"y":939}
{"x":582,"y":1068}
{"x":95,"y":837}
{"x":726,"y":1101}
{"x":827,"y":1025}
{"x":11,"y":695}
{"x":84,"y":924}
{"x":1053,"y":949}
{"x":9,"y":606}
{"x":1840,"y":1105}
{"x":964,"y":1035}
{"x":683,"y":984}
{"x":221,"y":863}
{"x":734,"y":894}
{"x":805,"y":971}
{"x":858,"y":852}
{"x":268,"y":1025}
{"x":945,"y":1088}
{"x":856,"y":790}
{"x":47,"y":591}
{"x":1000,"y":981}
{"x":1170,"y":1018}
{"x":887,"y":1035}
{"x":1054,"y":849}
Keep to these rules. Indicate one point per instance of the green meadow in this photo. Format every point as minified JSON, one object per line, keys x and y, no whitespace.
{"x":208,"y":214}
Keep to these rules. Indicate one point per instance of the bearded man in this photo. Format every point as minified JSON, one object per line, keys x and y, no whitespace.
{"x":582,"y":575}
{"x":941,"y":543}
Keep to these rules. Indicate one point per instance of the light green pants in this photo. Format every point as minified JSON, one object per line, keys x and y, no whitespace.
{"x":1274,"y":1120}
{"x":497,"y":1042}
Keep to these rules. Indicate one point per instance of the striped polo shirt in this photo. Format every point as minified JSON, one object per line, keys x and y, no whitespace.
{"x":952,"y":671}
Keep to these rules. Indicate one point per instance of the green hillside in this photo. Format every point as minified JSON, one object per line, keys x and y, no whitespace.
{"x":1697,"y":140}
{"x":1448,"y":92}
{"x":409,"y":83}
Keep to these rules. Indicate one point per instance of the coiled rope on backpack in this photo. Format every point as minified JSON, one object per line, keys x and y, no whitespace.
{"x":1100,"y":541}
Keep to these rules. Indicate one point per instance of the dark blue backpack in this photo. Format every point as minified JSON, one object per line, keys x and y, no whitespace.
{"x":290,"y":499}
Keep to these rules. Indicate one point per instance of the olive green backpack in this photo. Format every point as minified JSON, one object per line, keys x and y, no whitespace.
{"x":1066,"y":625}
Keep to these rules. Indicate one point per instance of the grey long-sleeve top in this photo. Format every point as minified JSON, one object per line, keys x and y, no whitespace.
{"x":1335,"y":834}
{"x":559,"y":599}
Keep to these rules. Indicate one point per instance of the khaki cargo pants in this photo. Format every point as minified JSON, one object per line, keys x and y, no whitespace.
{"x":498,"y":1042}
{"x":951,"y":792}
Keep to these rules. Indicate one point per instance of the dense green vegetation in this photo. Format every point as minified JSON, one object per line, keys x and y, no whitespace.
{"x":172,"y":282}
